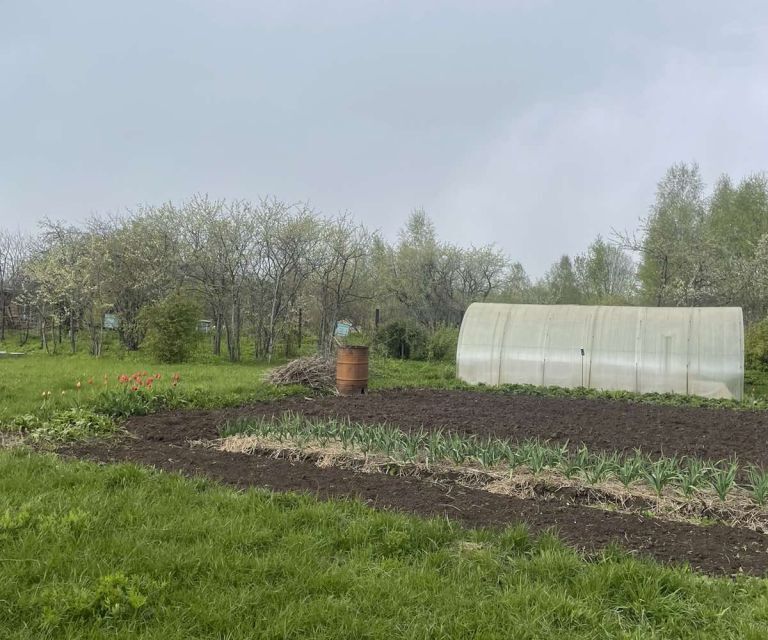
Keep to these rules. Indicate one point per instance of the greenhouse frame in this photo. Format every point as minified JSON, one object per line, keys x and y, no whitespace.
{"x":686,"y":350}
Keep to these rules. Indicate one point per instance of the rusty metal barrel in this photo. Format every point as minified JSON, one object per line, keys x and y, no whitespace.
{"x":352,"y":370}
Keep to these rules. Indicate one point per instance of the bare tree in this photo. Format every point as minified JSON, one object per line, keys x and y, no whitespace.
{"x":232,"y":238}
{"x":343,"y":248}
{"x":13,"y":252}
{"x":62,"y":280}
{"x":289,"y":238}
{"x":198,"y":259}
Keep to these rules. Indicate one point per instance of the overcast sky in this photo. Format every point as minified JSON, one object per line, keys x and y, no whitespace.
{"x":534,"y":125}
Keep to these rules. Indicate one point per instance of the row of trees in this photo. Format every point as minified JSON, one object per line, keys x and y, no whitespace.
{"x":268,"y":271}
{"x":700,"y":249}
{"x":261,"y":271}
{"x":246,"y":264}
{"x":692,"y":249}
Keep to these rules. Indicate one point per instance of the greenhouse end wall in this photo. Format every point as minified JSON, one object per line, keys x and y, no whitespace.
{"x":693,"y":350}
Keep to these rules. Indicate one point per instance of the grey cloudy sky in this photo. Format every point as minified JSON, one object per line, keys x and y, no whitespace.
{"x":535,"y":125}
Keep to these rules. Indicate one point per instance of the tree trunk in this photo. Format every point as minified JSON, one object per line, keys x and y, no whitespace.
{"x":233,"y":333}
{"x":25,"y":334}
{"x":217,"y":334}
{"x":300,"y":330}
{"x":97,"y":335}
{"x":228,"y":334}
{"x":273,"y":319}
{"x":73,"y":332}
{"x":321,"y":333}
{"x":258,"y":343}
{"x":44,"y":336}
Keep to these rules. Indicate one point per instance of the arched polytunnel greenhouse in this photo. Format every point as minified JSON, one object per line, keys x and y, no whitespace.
{"x":696,"y":351}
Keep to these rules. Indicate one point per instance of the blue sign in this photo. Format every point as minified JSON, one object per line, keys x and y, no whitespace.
{"x":342,"y":329}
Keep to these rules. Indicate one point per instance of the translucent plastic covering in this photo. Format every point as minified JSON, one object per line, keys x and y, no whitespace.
{"x":696,"y":351}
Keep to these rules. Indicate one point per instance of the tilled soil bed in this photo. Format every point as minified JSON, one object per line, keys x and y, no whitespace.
{"x":162,"y":441}
{"x":606,"y":425}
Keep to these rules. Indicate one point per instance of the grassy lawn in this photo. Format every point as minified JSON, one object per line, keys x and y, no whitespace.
{"x":122,"y":552}
{"x":24,"y":379}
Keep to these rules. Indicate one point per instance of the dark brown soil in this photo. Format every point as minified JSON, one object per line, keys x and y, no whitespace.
{"x":160,"y":441}
{"x":600,"y":424}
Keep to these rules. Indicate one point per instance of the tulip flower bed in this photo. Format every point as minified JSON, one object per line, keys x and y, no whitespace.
{"x":90,"y":409}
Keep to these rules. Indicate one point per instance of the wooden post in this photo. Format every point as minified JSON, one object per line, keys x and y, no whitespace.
{"x":300,"y":336}
{"x":377,"y":319}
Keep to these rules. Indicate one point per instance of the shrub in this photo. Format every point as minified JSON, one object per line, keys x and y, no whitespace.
{"x":405,"y":340}
{"x":443,"y":343}
{"x":171,"y":327}
{"x":756,"y":346}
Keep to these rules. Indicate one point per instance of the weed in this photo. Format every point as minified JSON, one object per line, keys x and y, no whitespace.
{"x":66,"y":425}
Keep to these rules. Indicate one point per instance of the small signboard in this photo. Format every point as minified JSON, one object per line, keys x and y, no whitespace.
{"x":342,"y":329}
{"x":111,"y":321}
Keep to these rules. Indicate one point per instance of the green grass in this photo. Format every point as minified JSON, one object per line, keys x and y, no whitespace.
{"x":756,"y":384}
{"x":123,"y":552}
{"x":389,"y":373}
{"x":22,"y":380}
{"x":207,"y":380}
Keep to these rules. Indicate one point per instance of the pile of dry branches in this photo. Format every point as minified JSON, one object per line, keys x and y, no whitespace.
{"x":315,"y":372}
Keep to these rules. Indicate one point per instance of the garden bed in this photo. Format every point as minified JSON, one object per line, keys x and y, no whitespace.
{"x":166,"y":442}
{"x":607,"y":425}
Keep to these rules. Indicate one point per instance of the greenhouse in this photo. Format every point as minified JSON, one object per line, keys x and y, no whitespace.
{"x":687,"y":350}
